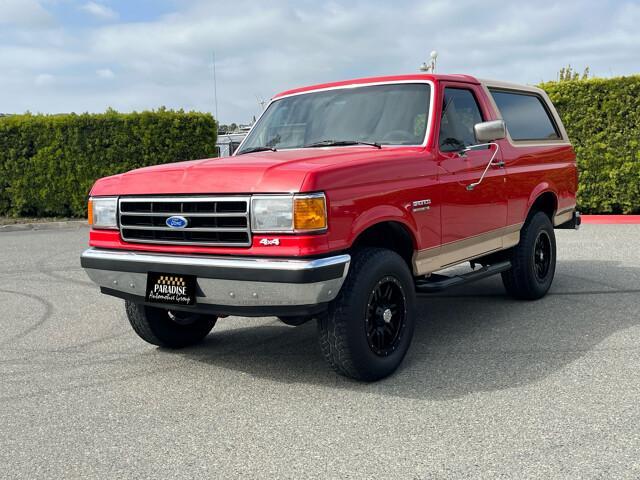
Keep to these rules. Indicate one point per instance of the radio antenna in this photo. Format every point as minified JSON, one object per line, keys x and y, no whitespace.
{"x":215,"y":88}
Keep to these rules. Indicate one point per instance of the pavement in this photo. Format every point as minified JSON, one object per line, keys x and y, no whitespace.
{"x":491,"y":387}
{"x":21,"y":224}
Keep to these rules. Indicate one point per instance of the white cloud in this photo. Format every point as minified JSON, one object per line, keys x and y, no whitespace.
{"x":105,"y":73}
{"x":100,"y":11}
{"x":24,"y":13}
{"x":266,"y":47}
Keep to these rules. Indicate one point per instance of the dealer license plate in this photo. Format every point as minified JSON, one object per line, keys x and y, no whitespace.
{"x":171,"y":288}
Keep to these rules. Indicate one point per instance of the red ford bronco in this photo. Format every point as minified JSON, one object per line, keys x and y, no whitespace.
{"x":343,"y":202}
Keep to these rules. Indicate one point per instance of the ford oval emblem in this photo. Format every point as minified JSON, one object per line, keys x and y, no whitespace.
{"x":176,"y":222}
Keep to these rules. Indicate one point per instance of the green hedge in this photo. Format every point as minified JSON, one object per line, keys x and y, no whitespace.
{"x":48,"y":163}
{"x":602,"y":118}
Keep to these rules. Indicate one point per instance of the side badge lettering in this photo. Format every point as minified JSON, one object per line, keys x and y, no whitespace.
{"x":421,"y":205}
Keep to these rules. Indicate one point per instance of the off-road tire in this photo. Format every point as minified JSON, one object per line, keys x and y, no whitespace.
{"x":155,"y":326}
{"x":523,"y":281}
{"x":343,"y":329}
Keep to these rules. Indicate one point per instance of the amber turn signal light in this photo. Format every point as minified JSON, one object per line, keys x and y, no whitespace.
{"x":90,"y":212}
{"x":310,"y":213}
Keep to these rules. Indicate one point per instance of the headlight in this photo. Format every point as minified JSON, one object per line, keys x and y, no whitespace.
{"x":103,"y":212}
{"x":288,"y":213}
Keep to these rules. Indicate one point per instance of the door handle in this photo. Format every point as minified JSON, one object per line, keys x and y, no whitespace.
{"x":499,"y":163}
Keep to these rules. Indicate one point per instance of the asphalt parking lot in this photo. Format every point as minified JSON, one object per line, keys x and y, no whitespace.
{"x":491,"y":387}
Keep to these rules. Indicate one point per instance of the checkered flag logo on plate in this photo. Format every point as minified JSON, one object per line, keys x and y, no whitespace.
{"x":175,"y":281}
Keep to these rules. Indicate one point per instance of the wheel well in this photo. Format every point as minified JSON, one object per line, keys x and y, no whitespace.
{"x":391,"y":235}
{"x":547,"y":203}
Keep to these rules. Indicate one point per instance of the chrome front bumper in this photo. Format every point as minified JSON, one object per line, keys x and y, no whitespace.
{"x":225,"y":284}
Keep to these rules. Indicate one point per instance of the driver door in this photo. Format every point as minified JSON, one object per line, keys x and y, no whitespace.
{"x":473,"y":221}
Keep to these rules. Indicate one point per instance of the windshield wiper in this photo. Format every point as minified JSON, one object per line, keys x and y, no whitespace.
{"x":257,"y":149}
{"x":341,"y":143}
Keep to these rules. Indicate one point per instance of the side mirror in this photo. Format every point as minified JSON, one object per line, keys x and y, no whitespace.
{"x":490,"y":131}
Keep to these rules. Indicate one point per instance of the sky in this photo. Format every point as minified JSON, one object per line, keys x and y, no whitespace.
{"x":77,"y":56}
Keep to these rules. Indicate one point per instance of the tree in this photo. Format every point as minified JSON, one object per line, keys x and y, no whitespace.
{"x":232,"y":128}
{"x":568,"y":74}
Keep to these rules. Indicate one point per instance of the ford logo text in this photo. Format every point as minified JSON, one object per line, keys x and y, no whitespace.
{"x":177,"y":222}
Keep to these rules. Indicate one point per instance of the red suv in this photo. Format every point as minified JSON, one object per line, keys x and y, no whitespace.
{"x":343,"y":202}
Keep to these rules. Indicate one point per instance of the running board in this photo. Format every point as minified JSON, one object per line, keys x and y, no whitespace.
{"x":437,"y":283}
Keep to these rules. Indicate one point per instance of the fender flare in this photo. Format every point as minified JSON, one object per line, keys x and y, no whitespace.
{"x":382,"y":214}
{"x":539,"y":190}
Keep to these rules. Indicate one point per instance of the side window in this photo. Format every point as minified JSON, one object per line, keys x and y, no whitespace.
{"x":460,"y":112}
{"x":525,"y":115}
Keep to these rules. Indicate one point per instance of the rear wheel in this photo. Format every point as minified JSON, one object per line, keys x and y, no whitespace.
{"x":533,"y":260}
{"x":368,"y":328}
{"x":167,"y":328}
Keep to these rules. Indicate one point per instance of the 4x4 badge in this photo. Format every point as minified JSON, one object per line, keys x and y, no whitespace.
{"x":268,"y":242}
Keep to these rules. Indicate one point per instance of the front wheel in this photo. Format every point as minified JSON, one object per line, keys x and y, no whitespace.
{"x":533,"y":260}
{"x":368,"y":328}
{"x":167,"y":328}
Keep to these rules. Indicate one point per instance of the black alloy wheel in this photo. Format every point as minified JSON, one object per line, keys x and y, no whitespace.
{"x":385,"y":316}
{"x":542,"y":255}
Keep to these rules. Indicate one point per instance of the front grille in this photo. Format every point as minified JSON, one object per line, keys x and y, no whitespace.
{"x":220,"y":221}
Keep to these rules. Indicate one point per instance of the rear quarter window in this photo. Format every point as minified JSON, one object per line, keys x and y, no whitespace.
{"x":526,"y":116}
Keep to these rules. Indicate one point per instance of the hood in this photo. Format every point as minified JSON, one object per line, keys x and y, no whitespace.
{"x":261,"y":172}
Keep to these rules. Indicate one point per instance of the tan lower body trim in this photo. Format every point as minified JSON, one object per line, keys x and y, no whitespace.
{"x":563,"y":216}
{"x":436,"y":258}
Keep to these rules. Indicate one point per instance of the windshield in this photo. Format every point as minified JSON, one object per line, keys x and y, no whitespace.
{"x":392,"y":114}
